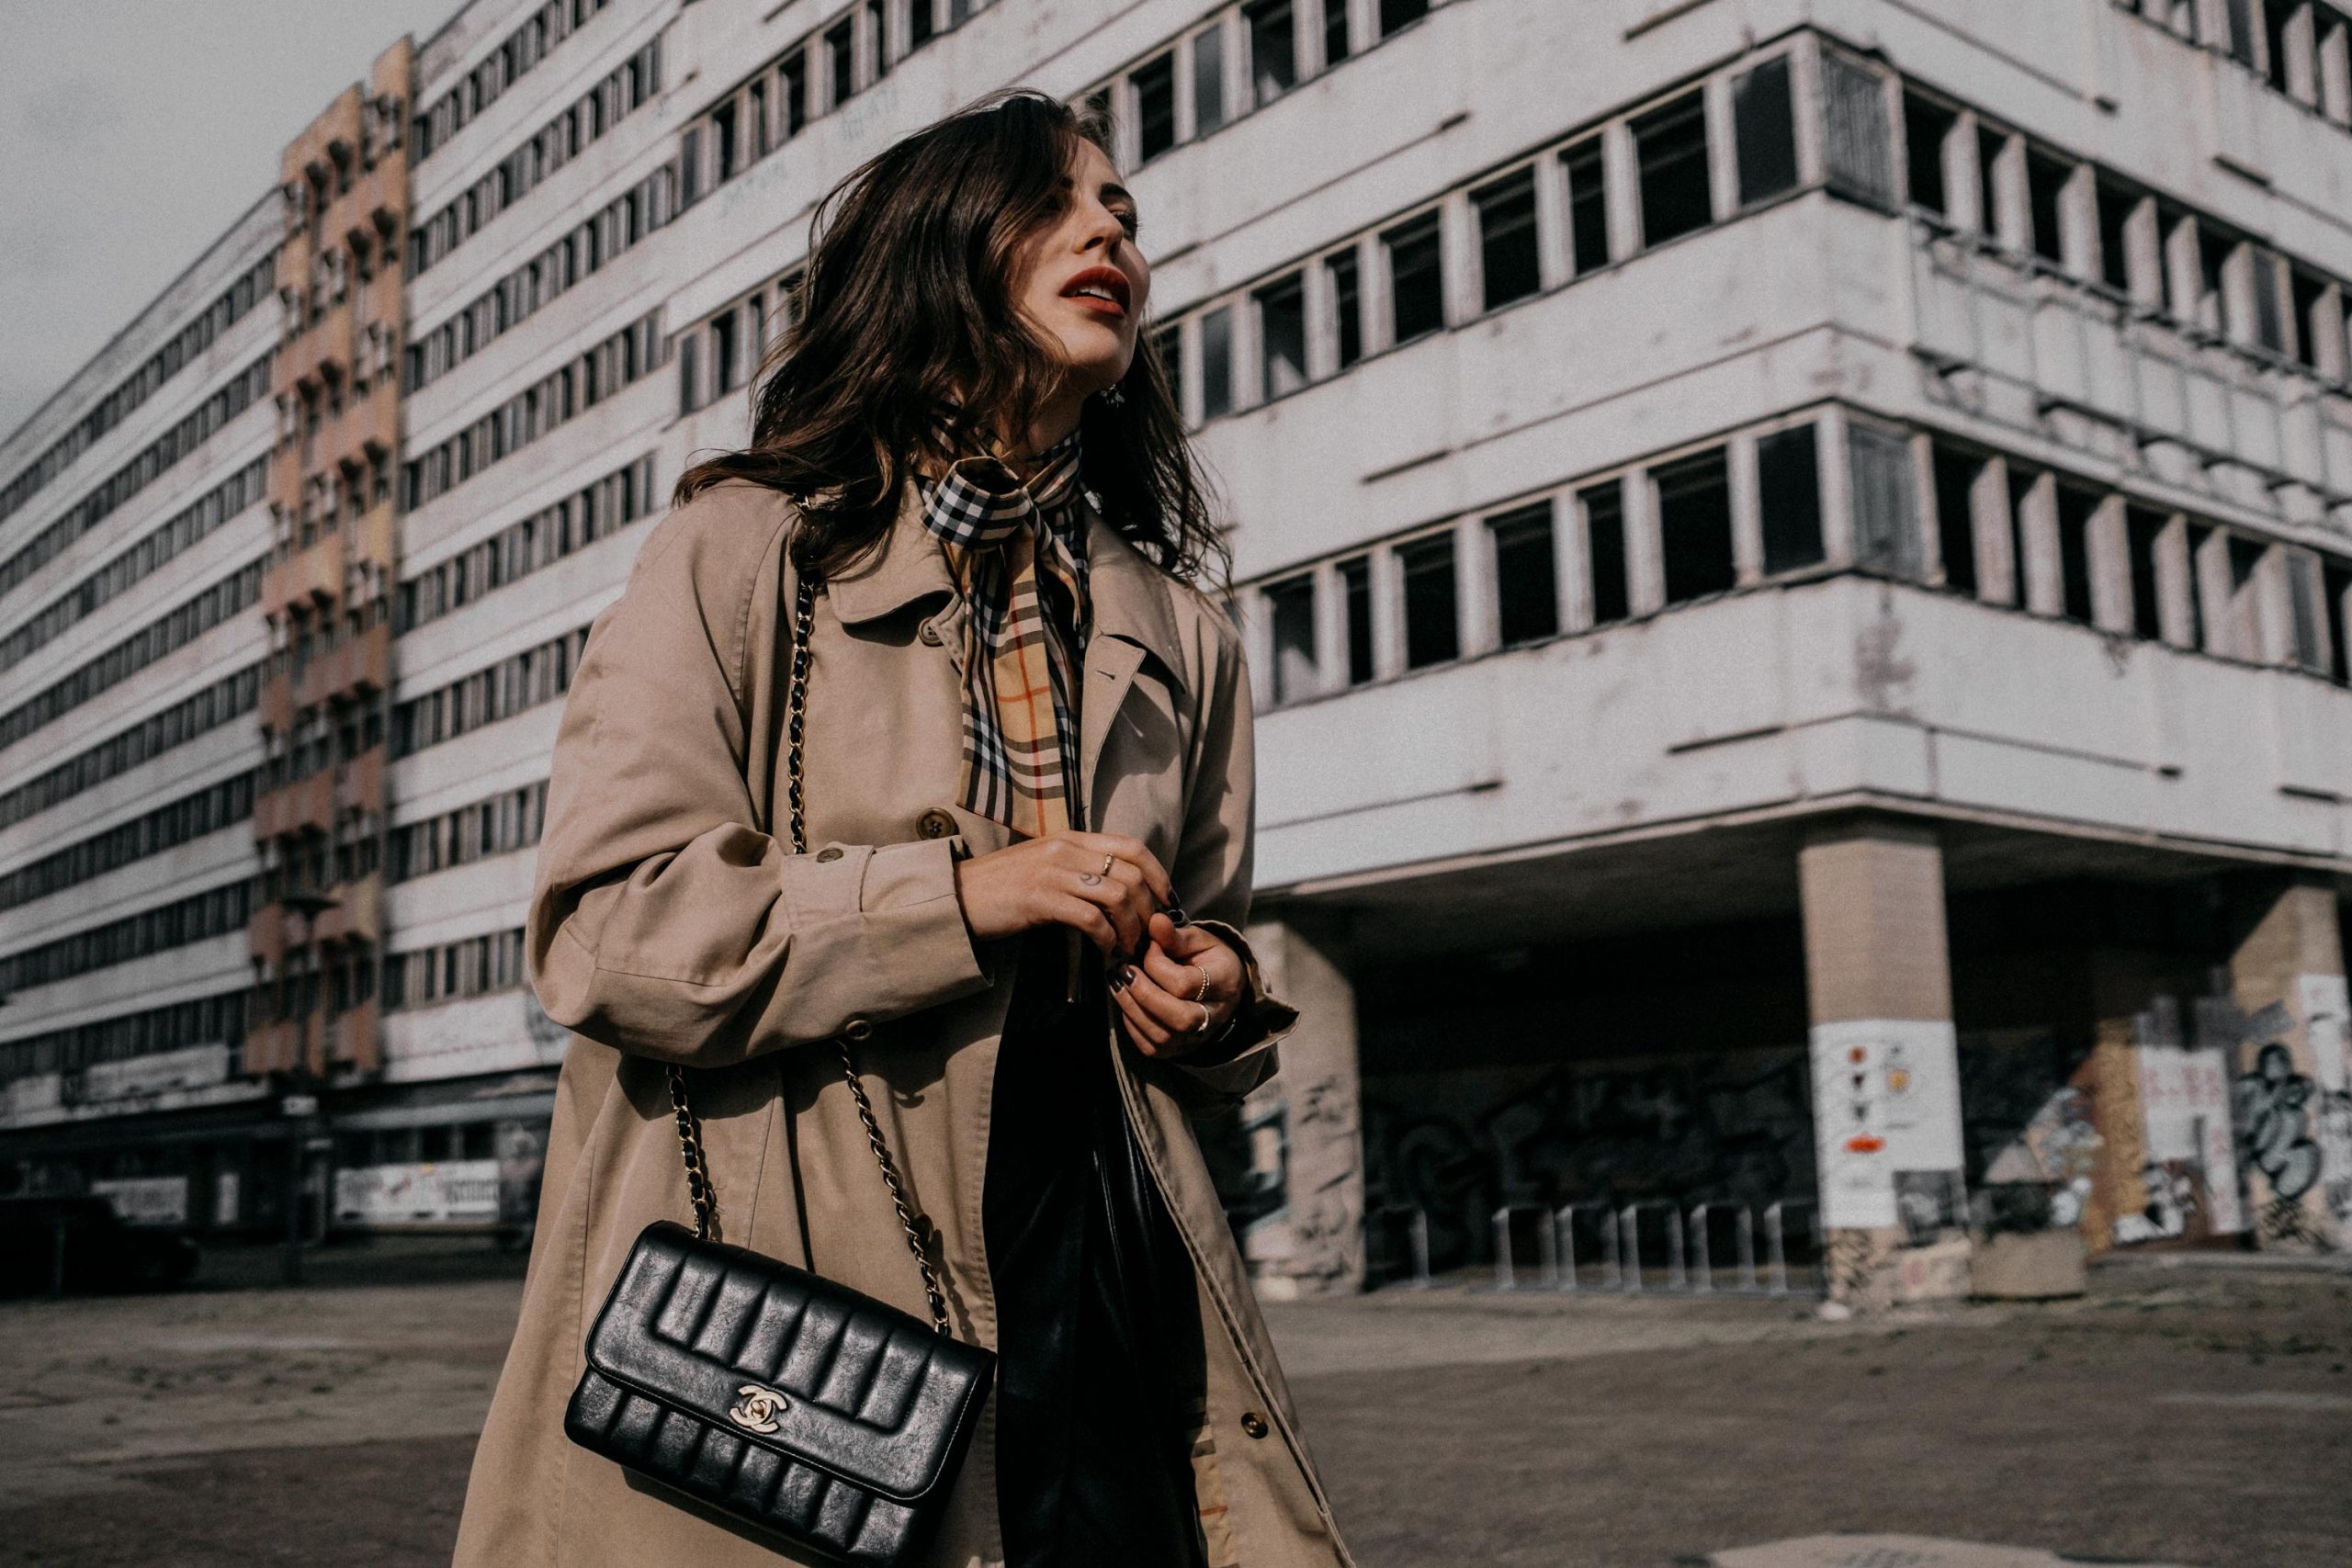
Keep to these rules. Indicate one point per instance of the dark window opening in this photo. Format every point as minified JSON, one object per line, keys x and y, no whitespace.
{"x":1671,"y":151}
{"x":2269,"y":315}
{"x":1282,"y":333}
{"x":1169,"y":344}
{"x":1335,"y":33}
{"x":1989,"y":147}
{"x":1886,"y":513}
{"x":1395,"y":13}
{"x":722,"y":126}
{"x":796,"y":92}
{"x":2045,"y":185}
{"x":2075,"y":509}
{"x":1347,"y":301}
{"x":2276,"y":15}
{"x":2309,"y":295}
{"x":1355,"y":583}
{"x":838,"y":50}
{"x":1507,"y":253}
{"x":2336,"y":586}
{"x":1955,"y":516}
{"x":1430,"y":631}
{"x":1290,"y":607}
{"x":2199,"y":537}
{"x":1416,"y":286}
{"x":1526,"y":577}
{"x":1788,"y":476}
{"x":1217,"y":362}
{"x":2143,"y":530}
{"x":2115,"y":208}
{"x":1273,"y":48}
{"x":1764,"y":133}
{"x":2212,"y":269}
{"x":1588,"y":206}
{"x":1926,"y":126}
{"x":1155,"y":85}
{"x":1695,"y":525}
{"x":722,"y":350}
{"x":2021,"y":574}
{"x":1603,"y":506}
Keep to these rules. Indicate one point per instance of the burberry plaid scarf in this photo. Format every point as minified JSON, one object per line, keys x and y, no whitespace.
{"x":1008,"y":545}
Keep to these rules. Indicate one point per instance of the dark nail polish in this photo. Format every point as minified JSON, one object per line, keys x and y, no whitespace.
{"x":1177,"y":915}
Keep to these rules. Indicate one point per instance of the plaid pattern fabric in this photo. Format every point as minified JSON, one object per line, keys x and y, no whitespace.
{"x":1018,"y":552}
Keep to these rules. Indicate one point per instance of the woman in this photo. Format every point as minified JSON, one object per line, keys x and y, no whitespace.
{"x":1028,"y":850}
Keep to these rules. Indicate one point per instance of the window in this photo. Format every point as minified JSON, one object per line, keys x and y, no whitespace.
{"x":2302,"y":606}
{"x":922,"y":25}
{"x":795,"y":75}
{"x":2116,"y":206}
{"x":842,"y":57}
{"x":2269,"y":309}
{"x":689,"y":175}
{"x":1695,"y":525}
{"x":722,"y":350}
{"x":2241,"y":40}
{"x":689,"y":397}
{"x":2312,"y":317}
{"x":1273,"y":48}
{"x":2020,"y":556}
{"x":1290,"y":608}
{"x":2335,"y":589}
{"x":1155,"y":88}
{"x":2200,"y":635}
{"x":2075,"y":509}
{"x":877,"y":16}
{"x":1355,"y":586}
{"x":1208,"y":80}
{"x":1926,"y":128}
{"x":2212,"y":282}
{"x":1416,"y":293}
{"x":1395,"y":13}
{"x":1281,"y":335}
{"x":2045,"y":185}
{"x":1217,"y":362}
{"x":1429,"y":632}
{"x":1764,"y":130}
{"x":1956,"y":476}
{"x":2142,"y":529}
{"x":1168,"y":343}
{"x":1857,"y":149}
{"x":1671,"y":151}
{"x":722,"y":130}
{"x":1990,"y":146}
{"x":1507,"y":254}
{"x":1886,"y":532}
{"x":1588,"y":206}
{"x":1347,"y":301}
{"x":1788,"y":478}
{"x":1334,"y":31}
{"x":1603,"y":510}
{"x":1526,"y":584}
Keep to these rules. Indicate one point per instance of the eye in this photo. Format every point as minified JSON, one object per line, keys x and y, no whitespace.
{"x":1132,"y":221}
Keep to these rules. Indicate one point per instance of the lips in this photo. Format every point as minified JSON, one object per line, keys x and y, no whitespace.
{"x":1109,"y":279}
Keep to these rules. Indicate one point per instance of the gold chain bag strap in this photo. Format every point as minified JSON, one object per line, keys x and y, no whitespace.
{"x":829,"y":1419}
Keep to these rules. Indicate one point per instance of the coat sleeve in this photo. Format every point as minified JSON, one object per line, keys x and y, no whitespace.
{"x":662,"y":921}
{"x":1215,"y":863}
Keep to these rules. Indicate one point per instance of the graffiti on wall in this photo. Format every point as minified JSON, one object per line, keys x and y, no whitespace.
{"x":1732,"y":1128}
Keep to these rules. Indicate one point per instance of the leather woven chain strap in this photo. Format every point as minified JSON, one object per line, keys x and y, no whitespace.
{"x":698,"y":1186}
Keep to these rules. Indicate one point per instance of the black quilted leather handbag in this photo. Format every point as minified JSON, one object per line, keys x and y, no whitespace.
{"x":828,"y":1420}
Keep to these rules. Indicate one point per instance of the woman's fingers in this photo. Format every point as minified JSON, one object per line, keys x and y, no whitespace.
{"x":1121,"y":847}
{"x":1160,"y":995}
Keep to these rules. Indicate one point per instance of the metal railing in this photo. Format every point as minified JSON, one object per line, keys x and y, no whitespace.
{"x":1710,"y":1248}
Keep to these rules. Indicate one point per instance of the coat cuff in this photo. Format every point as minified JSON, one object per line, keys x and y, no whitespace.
{"x":1242,"y":1057}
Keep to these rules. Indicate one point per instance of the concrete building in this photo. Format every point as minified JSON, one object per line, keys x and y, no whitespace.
{"x":1796,"y":556}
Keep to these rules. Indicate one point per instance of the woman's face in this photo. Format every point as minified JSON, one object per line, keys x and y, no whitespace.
{"x":1089,"y":244}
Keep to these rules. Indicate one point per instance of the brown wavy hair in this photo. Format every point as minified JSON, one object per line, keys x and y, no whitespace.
{"x":907,"y":297}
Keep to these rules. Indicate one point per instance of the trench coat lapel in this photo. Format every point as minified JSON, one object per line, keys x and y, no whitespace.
{"x":1133,"y":617}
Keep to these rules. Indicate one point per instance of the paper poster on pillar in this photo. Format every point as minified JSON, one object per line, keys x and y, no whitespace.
{"x":1886,"y":1122}
{"x":2327,"y":1022}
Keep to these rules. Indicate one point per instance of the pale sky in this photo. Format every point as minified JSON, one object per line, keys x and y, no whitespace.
{"x":132,"y":134}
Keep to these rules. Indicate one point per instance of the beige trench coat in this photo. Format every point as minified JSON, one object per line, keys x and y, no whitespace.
{"x":669,"y":922}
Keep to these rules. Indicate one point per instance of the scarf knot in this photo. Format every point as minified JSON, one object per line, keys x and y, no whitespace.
{"x":1018,"y":553}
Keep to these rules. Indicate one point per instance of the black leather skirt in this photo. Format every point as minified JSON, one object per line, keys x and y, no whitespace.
{"x":1099,"y":1371}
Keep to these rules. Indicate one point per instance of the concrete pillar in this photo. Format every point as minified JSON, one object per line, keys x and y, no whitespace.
{"x":2291,"y":1097}
{"x":1304,"y":1127}
{"x":1885,"y":1062}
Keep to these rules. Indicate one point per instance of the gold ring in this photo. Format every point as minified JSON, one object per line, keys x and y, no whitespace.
{"x":1106,"y":865}
{"x":1203,"y":994}
{"x":1201,"y":1027}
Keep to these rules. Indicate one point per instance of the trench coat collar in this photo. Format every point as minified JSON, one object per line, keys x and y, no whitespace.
{"x":1129,"y":594}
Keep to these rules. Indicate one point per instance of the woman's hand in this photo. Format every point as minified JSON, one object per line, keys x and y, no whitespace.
{"x":1159,"y":996}
{"x":1105,"y":884}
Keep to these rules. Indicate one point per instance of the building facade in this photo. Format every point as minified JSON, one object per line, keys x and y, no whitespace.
{"x":1795,"y":555}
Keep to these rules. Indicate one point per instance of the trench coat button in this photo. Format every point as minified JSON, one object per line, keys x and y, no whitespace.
{"x":857,"y":1029}
{"x":1253,"y":1423}
{"x":831,"y":851}
{"x":935,"y":824}
{"x":930,"y":634}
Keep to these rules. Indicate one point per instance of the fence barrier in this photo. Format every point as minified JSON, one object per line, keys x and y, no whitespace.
{"x":1651,"y":1245}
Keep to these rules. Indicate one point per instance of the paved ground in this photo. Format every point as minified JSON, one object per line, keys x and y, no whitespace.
{"x":2195,"y":1415}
